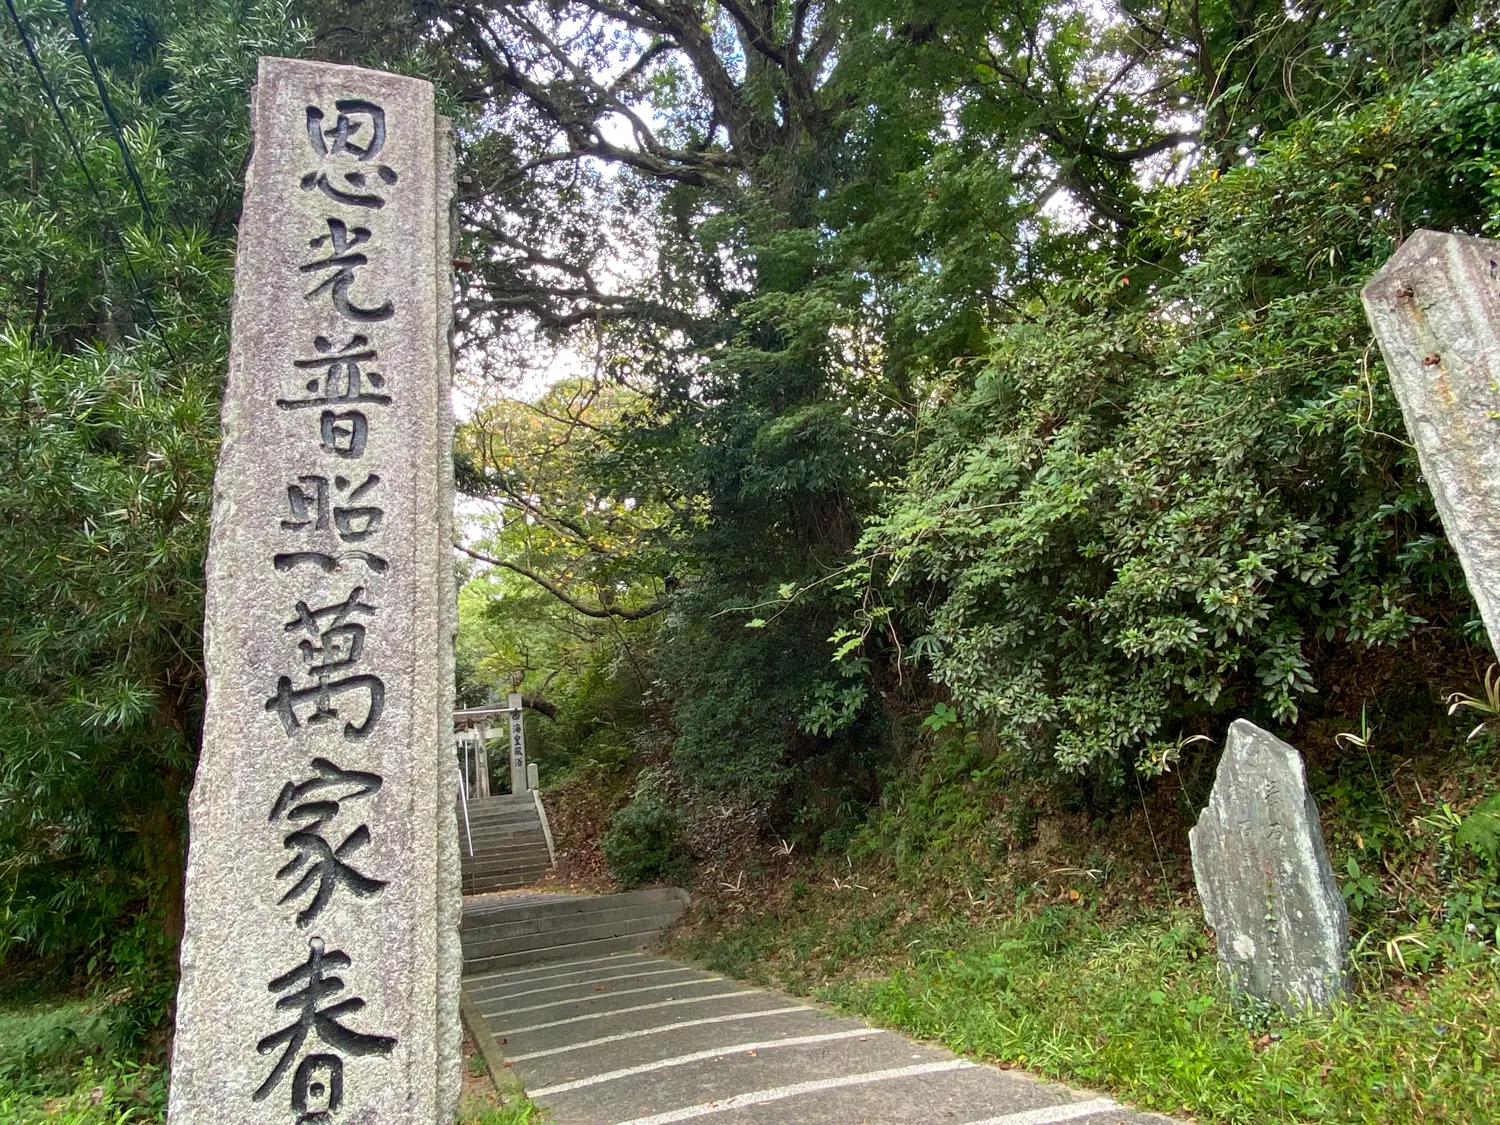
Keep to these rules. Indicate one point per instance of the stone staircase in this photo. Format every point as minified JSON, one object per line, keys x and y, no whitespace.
{"x":510,"y":844}
{"x":546,"y":927}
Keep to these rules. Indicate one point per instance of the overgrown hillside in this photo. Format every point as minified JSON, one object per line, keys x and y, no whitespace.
{"x":898,"y":439}
{"x":979,"y":364}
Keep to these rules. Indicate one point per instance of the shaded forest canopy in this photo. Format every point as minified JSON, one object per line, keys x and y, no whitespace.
{"x":839,"y":373}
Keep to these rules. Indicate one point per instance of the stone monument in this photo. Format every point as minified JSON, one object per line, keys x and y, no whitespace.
{"x":1268,"y":891}
{"x":517,"y":744}
{"x":1435,"y":308}
{"x":320,"y":964}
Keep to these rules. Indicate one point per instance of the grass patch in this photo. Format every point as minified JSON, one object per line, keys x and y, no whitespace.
{"x":97,"y":1093}
{"x":1138,"y":1008}
{"x":56,"y":1067}
{"x":515,"y":1109}
{"x":42,"y":1043}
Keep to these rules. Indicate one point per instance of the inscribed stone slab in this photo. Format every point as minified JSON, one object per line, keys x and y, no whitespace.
{"x":320,"y":963}
{"x":1435,"y":308}
{"x":1263,"y":876}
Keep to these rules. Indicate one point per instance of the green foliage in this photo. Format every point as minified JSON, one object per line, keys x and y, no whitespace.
{"x":1094,"y":389}
{"x":57,"y":1066}
{"x":42,"y":1043}
{"x":1480,"y":830}
{"x":113,"y":331}
{"x":644,"y":841}
{"x":517,"y":1109}
{"x":116,"y":1094}
{"x":1158,"y":491}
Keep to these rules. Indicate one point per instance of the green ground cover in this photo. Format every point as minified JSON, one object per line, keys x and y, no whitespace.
{"x":56,"y":1066}
{"x":1137,"y":1009}
{"x":973,"y":911}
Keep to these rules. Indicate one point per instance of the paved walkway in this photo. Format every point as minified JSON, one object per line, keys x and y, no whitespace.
{"x":634,"y":1039}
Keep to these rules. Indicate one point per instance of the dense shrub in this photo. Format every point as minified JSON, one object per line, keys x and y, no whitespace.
{"x":1161,"y":488}
{"x":644,"y":842}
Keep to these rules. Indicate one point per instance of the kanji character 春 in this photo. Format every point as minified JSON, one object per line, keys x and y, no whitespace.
{"x":313,"y":1018}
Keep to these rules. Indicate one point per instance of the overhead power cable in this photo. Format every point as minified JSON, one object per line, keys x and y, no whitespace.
{"x":109,"y":110}
{"x":41,"y":75}
{"x":62,"y":120}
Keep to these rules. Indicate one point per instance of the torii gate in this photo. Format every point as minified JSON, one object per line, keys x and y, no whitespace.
{"x":471,"y":731}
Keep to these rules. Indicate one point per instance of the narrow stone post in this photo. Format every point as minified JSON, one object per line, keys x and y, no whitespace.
{"x":1435,"y":308}
{"x":482,"y":760}
{"x":517,"y":744}
{"x":320,"y":963}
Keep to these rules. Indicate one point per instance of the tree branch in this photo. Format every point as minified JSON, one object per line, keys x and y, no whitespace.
{"x":603,"y":613}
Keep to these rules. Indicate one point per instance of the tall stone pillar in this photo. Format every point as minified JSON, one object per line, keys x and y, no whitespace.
{"x":320,"y":963}
{"x":1435,"y":308}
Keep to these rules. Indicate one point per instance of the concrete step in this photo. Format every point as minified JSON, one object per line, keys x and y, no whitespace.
{"x":481,"y":885}
{"x":503,"y":934}
{"x":492,"y":843}
{"x":672,"y":899}
{"x":511,"y":875}
{"x":481,"y":870}
{"x":502,"y":820}
{"x":552,"y":938}
{"x":573,"y":910}
{"x":531,"y":827}
{"x":509,"y":846}
{"x":501,"y":838}
{"x":598,"y":948}
{"x":502,"y":870}
{"x":500,"y":804}
{"x":497,"y":844}
{"x":502,"y":852}
{"x":503,"y":928}
{"x":501,"y":823}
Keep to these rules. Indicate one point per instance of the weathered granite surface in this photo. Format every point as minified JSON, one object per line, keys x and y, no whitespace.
{"x":1435,"y":308}
{"x":321,"y":962}
{"x":1268,"y":891}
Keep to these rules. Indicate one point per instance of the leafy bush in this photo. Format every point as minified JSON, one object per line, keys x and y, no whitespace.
{"x":1162,"y":488}
{"x":644,"y":842}
{"x":114,"y":291}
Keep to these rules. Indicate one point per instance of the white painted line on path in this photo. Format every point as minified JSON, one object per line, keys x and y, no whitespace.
{"x":607,"y":993}
{"x":595,"y":980}
{"x":657,"y":1031}
{"x":619,"y":1011}
{"x":777,"y":1093}
{"x":1052,"y":1114}
{"x":699,"y":1056}
{"x":485,"y":979}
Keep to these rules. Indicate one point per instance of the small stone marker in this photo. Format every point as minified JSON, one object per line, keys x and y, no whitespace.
{"x":1435,"y":308}
{"x":1268,"y":892}
{"x":517,"y":744}
{"x":320,"y":963}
